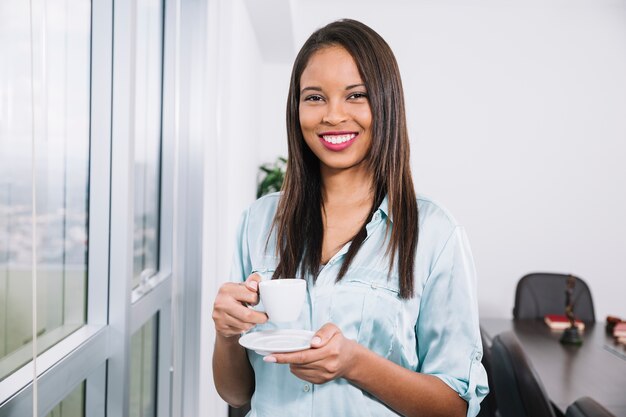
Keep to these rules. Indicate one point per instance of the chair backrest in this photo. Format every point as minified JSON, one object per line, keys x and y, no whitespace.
{"x":539,"y":294}
{"x":587,"y":407}
{"x":519,"y":390}
{"x":489,"y":404}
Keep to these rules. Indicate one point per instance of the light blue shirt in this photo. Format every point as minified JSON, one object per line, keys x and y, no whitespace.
{"x":436,"y":332}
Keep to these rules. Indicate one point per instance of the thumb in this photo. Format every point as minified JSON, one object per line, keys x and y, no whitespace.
{"x":252,"y":282}
{"x":324,"y":334}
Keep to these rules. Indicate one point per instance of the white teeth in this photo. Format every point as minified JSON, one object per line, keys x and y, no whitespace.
{"x":336,"y":139}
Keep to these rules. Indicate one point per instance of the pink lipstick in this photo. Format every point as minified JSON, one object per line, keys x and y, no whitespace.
{"x":337,"y":141}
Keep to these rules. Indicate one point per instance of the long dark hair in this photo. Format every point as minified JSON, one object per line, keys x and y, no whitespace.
{"x":298,"y":220}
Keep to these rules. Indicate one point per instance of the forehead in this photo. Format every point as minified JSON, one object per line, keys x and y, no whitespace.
{"x":331,"y":63}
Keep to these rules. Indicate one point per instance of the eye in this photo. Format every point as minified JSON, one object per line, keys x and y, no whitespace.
{"x":358,"y":96}
{"x":314,"y":98}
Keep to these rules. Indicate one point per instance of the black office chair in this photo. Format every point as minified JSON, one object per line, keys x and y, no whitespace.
{"x":539,"y":294}
{"x":519,"y":391}
{"x":489,"y":405}
{"x":587,"y":407}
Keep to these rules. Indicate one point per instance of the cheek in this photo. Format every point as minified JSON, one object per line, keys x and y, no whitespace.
{"x":308,"y":119}
{"x":364,"y":118}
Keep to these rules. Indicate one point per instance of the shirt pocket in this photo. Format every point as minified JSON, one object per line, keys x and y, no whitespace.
{"x":264,"y":265}
{"x":366,"y":306}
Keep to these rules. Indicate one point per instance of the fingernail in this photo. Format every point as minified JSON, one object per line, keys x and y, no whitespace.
{"x":316,"y":341}
{"x":270,"y":359}
{"x":253,"y":285}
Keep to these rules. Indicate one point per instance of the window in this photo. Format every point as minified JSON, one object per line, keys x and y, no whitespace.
{"x":148,"y":75}
{"x":97,"y":123}
{"x":143,"y":366}
{"x":61,"y":122}
{"x":72,"y":406}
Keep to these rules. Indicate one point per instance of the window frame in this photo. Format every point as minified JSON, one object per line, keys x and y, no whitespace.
{"x":99,"y":351}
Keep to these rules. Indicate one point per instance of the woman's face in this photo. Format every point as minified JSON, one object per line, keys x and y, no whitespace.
{"x":335,"y":114}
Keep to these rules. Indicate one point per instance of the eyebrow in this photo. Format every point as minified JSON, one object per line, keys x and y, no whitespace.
{"x":350,"y":87}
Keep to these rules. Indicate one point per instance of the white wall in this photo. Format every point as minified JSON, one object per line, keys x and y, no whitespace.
{"x":516,"y":112}
{"x":233,"y":128}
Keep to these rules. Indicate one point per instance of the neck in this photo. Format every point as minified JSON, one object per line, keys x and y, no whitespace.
{"x":347,"y":187}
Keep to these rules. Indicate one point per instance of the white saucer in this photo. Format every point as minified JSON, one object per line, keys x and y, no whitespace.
{"x":277,"y":341}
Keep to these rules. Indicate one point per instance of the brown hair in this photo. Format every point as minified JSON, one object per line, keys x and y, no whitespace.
{"x":298,"y":219}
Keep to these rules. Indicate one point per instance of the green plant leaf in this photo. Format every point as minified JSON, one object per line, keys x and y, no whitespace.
{"x":271,"y":176}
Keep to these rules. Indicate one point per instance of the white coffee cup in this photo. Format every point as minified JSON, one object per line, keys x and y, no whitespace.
{"x":283,"y":298}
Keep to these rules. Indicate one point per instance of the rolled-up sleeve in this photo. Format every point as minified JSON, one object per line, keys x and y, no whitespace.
{"x":447,"y":330}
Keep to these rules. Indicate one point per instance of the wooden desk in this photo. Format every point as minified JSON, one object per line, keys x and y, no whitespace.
{"x":596,"y":369}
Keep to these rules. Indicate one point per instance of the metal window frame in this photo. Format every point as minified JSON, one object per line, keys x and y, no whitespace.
{"x":82,"y":355}
{"x":133,"y":309}
{"x":190,"y":110}
{"x":98,"y":352}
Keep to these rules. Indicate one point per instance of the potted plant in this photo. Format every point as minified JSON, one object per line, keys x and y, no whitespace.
{"x":271,"y":176}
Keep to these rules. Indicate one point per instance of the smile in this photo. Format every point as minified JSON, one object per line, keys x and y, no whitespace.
{"x":337,"y":141}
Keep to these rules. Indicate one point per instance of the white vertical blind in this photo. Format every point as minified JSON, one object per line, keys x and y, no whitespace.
{"x":34,"y":191}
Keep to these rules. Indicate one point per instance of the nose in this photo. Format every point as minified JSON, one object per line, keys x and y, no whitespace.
{"x":335,"y":113}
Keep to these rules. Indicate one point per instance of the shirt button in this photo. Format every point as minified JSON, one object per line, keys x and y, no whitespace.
{"x":374,"y":286}
{"x":306,"y":388}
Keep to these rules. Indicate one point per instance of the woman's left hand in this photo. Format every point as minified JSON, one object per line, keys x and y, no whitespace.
{"x":331,"y":356}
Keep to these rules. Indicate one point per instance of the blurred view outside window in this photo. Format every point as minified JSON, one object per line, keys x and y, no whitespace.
{"x":143,"y":367}
{"x":61,"y":76}
{"x":148,"y":84}
{"x":72,"y":406}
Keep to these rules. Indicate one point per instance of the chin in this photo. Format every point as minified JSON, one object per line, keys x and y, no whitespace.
{"x":342,"y":165}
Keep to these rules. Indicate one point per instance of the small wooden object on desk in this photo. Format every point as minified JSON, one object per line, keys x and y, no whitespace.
{"x":571,"y":335}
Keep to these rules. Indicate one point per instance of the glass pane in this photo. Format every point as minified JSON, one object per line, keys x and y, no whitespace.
{"x":61,"y":86}
{"x":72,"y":406}
{"x":149,"y":38}
{"x":143,"y":370}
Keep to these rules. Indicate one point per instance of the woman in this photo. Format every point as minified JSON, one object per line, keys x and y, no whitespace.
{"x":396,"y":322}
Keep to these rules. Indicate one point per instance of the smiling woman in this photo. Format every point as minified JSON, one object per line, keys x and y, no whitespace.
{"x":394,"y":326}
{"x":335,"y":115}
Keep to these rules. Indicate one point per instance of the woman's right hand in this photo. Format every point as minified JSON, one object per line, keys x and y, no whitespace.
{"x":231,"y":313}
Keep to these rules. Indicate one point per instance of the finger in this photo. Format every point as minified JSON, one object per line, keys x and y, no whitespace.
{"x":309,"y":356}
{"x":239,"y":292}
{"x":314,"y":361}
{"x":247,"y":315}
{"x":303,"y":357}
{"x":235,"y":297}
{"x":232,"y":325}
{"x":236,"y":323}
{"x":229,"y":331}
{"x":242,"y":293}
{"x":252,"y":282}
{"x":314,"y":376}
{"x":323,"y":335}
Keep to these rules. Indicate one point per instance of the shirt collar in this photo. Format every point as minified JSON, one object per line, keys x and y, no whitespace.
{"x":384,"y":208}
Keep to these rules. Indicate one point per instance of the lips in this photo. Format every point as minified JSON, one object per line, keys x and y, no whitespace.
{"x":337,"y":141}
